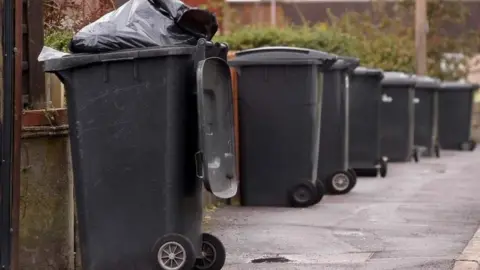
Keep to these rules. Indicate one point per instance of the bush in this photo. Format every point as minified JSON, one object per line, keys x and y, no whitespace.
{"x":59,"y":40}
{"x":387,"y":52}
{"x":305,"y":37}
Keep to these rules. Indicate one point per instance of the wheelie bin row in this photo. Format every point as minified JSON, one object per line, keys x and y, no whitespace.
{"x":149,"y":126}
{"x":293,"y":117}
{"x":311,"y":122}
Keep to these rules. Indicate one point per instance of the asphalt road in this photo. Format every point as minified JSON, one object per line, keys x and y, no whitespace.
{"x":420,"y":217}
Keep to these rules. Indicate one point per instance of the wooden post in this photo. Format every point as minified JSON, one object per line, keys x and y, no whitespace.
{"x":17,"y":134}
{"x":421,"y":29}
{"x":33,"y":46}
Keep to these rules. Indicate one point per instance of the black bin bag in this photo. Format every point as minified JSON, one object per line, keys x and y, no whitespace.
{"x":145,"y":23}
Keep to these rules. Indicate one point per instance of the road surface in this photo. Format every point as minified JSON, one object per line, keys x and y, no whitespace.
{"x":420,"y":217}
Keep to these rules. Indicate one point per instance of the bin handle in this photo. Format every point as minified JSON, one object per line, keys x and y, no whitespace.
{"x":118,"y":59}
{"x":199,"y":162}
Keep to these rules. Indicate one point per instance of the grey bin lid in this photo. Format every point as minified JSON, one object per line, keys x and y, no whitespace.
{"x":79,"y":60}
{"x":456,"y":86}
{"x":216,"y":128}
{"x":393,"y":78}
{"x":282,"y":56}
{"x":364,"y":71}
{"x":345,"y":62}
{"x":426,"y":82}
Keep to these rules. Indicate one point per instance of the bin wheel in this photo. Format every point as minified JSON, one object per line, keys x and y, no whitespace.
{"x":415,"y":155}
{"x":471,"y":145}
{"x":213,"y":254}
{"x":468,"y":146}
{"x":320,"y":191}
{"x":383,"y":168}
{"x":352,"y":173}
{"x":174,"y":252}
{"x":341,"y":183}
{"x":437,"y":151}
{"x":303,"y":195}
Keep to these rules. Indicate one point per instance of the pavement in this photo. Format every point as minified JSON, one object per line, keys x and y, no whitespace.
{"x":422,"y":216}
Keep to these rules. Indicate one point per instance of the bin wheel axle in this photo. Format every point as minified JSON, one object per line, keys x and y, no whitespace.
{"x":415,"y":155}
{"x":383,"y":168}
{"x":320,"y":187}
{"x":437,"y":151}
{"x":341,"y":183}
{"x":303,"y":195}
{"x":468,"y":146}
{"x":353,"y":173}
{"x":174,"y":252}
{"x":213,"y":254}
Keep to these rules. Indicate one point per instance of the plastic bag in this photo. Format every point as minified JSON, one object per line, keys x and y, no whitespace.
{"x":50,"y":53}
{"x":145,"y":23}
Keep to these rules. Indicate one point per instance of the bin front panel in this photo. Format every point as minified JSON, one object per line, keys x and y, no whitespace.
{"x":364,"y":130}
{"x":133,"y":158}
{"x":332,"y":156}
{"x":455,"y":115}
{"x":396,"y":123}
{"x":217,"y":139}
{"x":424,"y":118}
{"x":278,"y":112}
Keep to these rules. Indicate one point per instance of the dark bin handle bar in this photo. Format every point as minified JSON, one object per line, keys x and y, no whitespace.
{"x":199,"y":165}
{"x":118,"y":59}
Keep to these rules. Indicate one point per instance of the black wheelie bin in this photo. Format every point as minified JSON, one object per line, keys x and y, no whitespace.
{"x":279,"y":106}
{"x":455,"y":115}
{"x":147,"y":126}
{"x":426,"y":115}
{"x":333,"y":169}
{"x":365,"y":101}
{"x":397,"y":122}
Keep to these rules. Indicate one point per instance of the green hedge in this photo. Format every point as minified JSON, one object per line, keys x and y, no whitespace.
{"x":386,"y":52}
{"x":306,"y":37}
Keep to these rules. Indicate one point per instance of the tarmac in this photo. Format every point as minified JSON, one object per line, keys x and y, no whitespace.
{"x":421,"y":216}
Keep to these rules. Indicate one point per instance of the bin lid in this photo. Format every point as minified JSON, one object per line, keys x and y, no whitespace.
{"x":426,"y":82}
{"x":395,"y":78}
{"x":79,"y":60}
{"x":216,"y":160}
{"x":282,"y":55}
{"x":346,"y":63}
{"x":454,"y":86}
{"x":364,"y":71}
